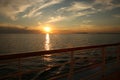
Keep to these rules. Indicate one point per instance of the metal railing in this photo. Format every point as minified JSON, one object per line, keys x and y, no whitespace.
{"x":62,"y":64}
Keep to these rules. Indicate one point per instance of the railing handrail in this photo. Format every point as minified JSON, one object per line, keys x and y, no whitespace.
{"x":39,"y":53}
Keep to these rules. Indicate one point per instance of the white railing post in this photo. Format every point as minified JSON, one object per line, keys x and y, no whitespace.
{"x":71,"y":72}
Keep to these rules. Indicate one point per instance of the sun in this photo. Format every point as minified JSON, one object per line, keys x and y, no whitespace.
{"x":47,"y":29}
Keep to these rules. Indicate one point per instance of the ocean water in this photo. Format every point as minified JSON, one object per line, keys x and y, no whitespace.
{"x":21,"y":43}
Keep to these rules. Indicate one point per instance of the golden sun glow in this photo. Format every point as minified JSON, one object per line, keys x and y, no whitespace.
{"x":47,"y":29}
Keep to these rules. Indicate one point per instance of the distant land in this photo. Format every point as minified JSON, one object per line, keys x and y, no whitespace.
{"x":16,"y":30}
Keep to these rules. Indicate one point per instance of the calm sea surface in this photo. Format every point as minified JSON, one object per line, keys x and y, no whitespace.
{"x":19,"y":43}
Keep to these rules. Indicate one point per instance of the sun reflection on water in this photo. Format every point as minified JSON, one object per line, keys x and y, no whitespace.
{"x":47,"y":57}
{"x":47,"y":42}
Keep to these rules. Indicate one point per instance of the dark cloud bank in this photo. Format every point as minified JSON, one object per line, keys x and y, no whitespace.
{"x":10,"y":30}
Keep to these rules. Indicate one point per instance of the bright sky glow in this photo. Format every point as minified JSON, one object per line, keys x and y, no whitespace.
{"x":47,"y":29}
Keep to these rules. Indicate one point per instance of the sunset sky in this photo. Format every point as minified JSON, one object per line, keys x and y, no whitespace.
{"x":60,"y":15}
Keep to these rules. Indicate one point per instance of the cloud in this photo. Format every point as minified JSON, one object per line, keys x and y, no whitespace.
{"x":117,"y":16}
{"x":86,"y":21}
{"x":106,"y":4}
{"x":55,"y":19}
{"x":98,"y":29}
{"x":78,"y":9}
{"x":32,"y":14}
{"x":10,"y":25}
{"x":78,"y":6}
{"x":85,"y":13}
{"x":11,"y":28}
{"x":15,"y":30}
{"x":34,"y":8}
{"x":75,"y":7}
{"x":6,"y":28}
{"x":44,"y":4}
{"x":12,"y":8}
